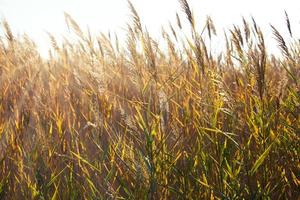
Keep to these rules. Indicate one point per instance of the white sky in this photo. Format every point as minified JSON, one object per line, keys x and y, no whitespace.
{"x":35,"y":17}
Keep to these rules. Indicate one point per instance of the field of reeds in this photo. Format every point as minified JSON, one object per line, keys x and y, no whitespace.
{"x":103,"y":119}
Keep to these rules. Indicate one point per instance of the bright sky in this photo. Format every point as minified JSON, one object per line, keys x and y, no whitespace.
{"x":35,"y":17}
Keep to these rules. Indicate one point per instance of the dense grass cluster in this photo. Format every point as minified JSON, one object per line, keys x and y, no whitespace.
{"x":100,"y":120}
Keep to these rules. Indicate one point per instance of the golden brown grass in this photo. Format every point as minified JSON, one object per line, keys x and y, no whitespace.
{"x":98,"y":120}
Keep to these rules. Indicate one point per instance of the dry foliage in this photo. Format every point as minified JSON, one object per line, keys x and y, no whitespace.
{"x":98,"y":120}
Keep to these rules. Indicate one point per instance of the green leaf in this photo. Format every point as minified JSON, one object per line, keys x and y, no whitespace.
{"x":260,"y":160}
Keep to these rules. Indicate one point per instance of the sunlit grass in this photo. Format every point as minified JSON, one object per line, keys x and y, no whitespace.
{"x":101,"y":120}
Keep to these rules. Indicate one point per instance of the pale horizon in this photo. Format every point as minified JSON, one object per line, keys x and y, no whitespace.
{"x":37,"y":17}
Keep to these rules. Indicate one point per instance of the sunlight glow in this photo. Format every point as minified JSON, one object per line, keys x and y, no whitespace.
{"x":35,"y":17}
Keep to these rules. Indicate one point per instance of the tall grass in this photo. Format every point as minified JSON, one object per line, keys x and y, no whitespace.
{"x":101,"y":120}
